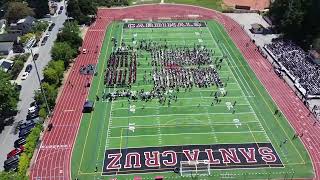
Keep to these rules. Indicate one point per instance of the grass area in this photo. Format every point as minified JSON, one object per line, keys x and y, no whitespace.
{"x":191,"y":119}
{"x":211,"y":4}
{"x":136,"y":2}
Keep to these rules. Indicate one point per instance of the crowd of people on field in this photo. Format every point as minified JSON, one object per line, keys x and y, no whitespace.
{"x":121,"y":63}
{"x":183,"y":67}
{"x":294,"y":59}
{"x":172,"y":68}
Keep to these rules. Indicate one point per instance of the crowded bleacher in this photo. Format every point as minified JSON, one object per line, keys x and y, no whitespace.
{"x":294,"y":59}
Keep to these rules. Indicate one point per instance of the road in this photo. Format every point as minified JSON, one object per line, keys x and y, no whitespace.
{"x":7,"y":136}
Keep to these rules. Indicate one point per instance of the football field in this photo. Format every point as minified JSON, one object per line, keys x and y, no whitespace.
{"x":207,"y":132}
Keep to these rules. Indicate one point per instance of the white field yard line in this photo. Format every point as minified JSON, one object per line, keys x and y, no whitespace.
{"x":261,"y":127}
{"x":103,"y":124}
{"x":268,"y":126}
{"x":246,"y":99}
{"x":227,"y":63}
{"x":210,"y":122}
{"x":255,"y":115}
{"x":230,"y":57}
{"x":157,"y":107}
{"x":175,"y":134}
{"x":159,"y":127}
{"x":160,"y":115}
{"x":206,"y":97}
{"x":186,"y":124}
{"x":241,"y":75}
{"x":110,"y":113}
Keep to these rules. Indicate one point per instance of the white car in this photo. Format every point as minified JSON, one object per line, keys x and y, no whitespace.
{"x":32,"y":109}
{"x":84,"y":51}
{"x":24,"y":76}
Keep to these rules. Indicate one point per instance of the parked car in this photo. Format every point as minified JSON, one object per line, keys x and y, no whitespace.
{"x":60,"y":12}
{"x":24,"y":76}
{"x":32,"y":115}
{"x":27,"y":125}
{"x":44,"y":41}
{"x":61,"y":8}
{"x":19,"y":142}
{"x":33,"y":109}
{"x":51,"y":26}
{"x":25,"y":132}
{"x":28,"y":68}
{"x":36,"y":120}
{"x":35,"y":56}
{"x":84,"y":51}
{"x":16,"y":151}
{"x":11,"y":164}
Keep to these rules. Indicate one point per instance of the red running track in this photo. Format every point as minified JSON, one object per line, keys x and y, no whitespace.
{"x":54,"y":156}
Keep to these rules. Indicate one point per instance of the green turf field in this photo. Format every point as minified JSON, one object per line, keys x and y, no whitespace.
{"x":191,"y":119}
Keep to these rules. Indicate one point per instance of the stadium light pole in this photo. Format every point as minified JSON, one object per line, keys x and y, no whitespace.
{"x":41,"y":89}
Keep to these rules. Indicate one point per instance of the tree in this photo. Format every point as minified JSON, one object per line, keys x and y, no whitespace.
{"x":297,"y":19}
{"x":8,"y":175}
{"x":40,"y":7}
{"x":17,"y":10}
{"x":70,"y":34}
{"x":80,"y":9}
{"x":87,"y":7}
{"x":26,"y":37}
{"x":40,"y":26}
{"x":73,"y":9}
{"x":9,"y":98}
{"x":16,"y":68}
{"x":63,"y":51}
{"x":24,"y":161}
{"x":50,"y":92}
{"x":58,"y":66}
{"x":316,"y":44}
{"x":50,"y":76}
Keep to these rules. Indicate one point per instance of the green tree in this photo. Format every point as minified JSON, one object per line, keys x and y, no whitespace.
{"x":8,"y":176}
{"x":42,"y":112}
{"x":297,"y":19}
{"x":26,"y":37}
{"x":51,"y":76}
{"x":32,"y":141}
{"x":70,"y":34}
{"x":40,"y":7}
{"x":9,"y":98}
{"x":24,"y":161}
{"x":88,"y":7}
{"x":316,"y":44}
{"x":74,"y":10}
{"x":40,"y":26}
{"x":16,"y":68}
{"x":50,"y":92}
{"x":63,"y":51}
{"x":58,"y":66}
{"x":17,"y":10}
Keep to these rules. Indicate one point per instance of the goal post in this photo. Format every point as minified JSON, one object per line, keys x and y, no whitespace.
{"x":195,"y":168}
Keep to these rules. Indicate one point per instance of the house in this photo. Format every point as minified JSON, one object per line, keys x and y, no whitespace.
{"x":7,"y":42}
{"x":5,"y":65}
{"x":22,"y":26}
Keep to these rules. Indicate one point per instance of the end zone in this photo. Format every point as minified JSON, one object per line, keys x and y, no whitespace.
{"x":167,"y":158}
